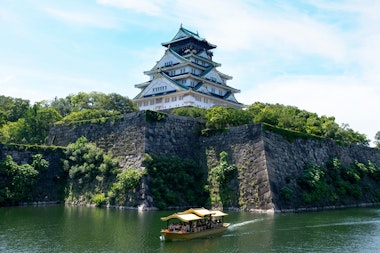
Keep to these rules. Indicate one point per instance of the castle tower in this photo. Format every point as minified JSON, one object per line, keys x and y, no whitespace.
{"x":186,"y":75}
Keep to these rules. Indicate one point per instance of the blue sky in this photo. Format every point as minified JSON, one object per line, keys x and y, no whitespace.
{"x":321,"y":56}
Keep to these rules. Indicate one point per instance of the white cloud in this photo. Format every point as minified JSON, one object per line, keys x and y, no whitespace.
{"x":149,"y":7}
{"x":6,"y":79}
{"x":94,"y":19}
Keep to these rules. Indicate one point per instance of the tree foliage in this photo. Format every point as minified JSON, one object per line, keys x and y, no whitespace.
{"x":22,"y":123}
{"x":93,"y":101}
{"x":377,"y":139}
{"x":17,"y":181}
{"x":292,"y":118}
{"x":11,"y":109}
{"x":192,"y":112}
{"x":221,"y":117}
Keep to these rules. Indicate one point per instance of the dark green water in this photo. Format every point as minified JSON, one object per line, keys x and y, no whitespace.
{"x":81,"y":229}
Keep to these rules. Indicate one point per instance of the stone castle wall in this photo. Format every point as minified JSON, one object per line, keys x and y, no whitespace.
{"x":286,"y":161}
{"x":266,"y":162}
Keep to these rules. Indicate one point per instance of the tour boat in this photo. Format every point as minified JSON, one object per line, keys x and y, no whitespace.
{"x":193,"y":223}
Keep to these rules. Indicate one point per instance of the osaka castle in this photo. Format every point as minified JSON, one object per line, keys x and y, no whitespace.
{"x":186,"y":76}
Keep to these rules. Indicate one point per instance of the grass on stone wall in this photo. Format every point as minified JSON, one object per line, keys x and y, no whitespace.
{"x":34,"y":147}
{"x":100,"y":121}
{"x":289,"y":134}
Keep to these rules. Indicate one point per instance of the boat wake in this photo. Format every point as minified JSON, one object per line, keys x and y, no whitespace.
{"x":240,"y":224}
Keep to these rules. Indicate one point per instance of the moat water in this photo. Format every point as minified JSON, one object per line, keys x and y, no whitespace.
{"x":85,"y":229}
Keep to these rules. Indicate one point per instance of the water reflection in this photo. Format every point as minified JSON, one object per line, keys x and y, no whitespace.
{"x":82,"y":229}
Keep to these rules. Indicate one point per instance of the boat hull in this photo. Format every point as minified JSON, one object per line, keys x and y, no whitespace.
{"x":174,"y":236}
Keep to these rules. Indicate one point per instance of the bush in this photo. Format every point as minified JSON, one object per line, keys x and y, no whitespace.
{"x":335,"y":182}
{"x":175,"y":181}
{"x":286,"y":193}
{"x":99,"y":199}
{"x":126,"y":181}
{"x":16,"y":181}
{"x":89,"y":170}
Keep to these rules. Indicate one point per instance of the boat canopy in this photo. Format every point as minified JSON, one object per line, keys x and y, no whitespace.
{"x":204,"y":212}
{"x":183,"y":217}
{"x":218,"y":214}
{"x":194,"y":214}
{"x":199,"y":211}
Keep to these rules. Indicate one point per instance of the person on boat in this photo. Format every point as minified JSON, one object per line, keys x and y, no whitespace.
{"x":187,"y":227}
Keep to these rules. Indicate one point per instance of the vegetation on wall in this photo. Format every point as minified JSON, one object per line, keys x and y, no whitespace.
{"x":95,"y":177}
{"x":154,"y":116}
{"x":175,"y":182}
{"x":337,"y":184}
{"x":218,"y":179}
{"x":17,"y":181}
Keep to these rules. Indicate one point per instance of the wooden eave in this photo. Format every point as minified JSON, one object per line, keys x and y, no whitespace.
{"x":216,"y":64}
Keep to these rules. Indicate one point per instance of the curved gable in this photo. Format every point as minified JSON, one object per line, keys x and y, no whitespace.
{"x":213,"y":76}
{"x":160,"y":85}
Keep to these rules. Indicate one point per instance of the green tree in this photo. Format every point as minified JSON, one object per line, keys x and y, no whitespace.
{"x":292,"y":118}
{"x":127,"y":180}
{"x":17,"y":181}
{"x":119,"y":103}
{"x":221,"y":117}
{"x":12,"y":109}
{"x":193,"y":112}
{"x":62,"y":105}
{"x":377,"y":139}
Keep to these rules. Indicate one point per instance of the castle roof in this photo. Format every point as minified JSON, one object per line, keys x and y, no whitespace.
{"x":184,"y":34}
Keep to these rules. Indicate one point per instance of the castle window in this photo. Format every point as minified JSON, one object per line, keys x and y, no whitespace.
{"x":151,"y":102}
{"x":213,"y":90}
{"x":160,"y":89}
{"x":167,"y":100}
{"x":174,"y":99}
{"x":184,"y":81}
{"x":168,"y":63}
{"x":158,"y":100}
